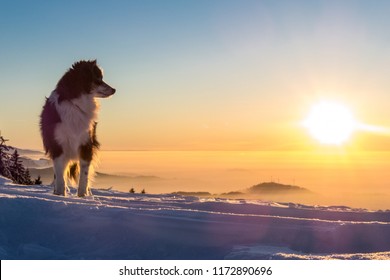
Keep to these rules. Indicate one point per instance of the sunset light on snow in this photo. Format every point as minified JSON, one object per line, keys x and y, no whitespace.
{"x":219,"y":130}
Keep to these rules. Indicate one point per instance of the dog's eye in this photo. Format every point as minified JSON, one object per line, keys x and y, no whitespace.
{"x":98,"y":81}
{"x":98,"y":74}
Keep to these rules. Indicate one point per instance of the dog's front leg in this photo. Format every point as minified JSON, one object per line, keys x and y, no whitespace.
{"x":83,"y":189}
{"x":60,"y":164}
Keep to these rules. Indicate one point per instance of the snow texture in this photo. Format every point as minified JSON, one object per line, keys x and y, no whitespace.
{"x":35,"y":224}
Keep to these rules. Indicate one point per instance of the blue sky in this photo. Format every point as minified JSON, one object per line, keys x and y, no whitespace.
{"x":196,"y":74}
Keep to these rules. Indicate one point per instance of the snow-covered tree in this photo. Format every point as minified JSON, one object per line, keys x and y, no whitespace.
{"x":4,"y":158}
{"x":19,"y":174}
{"x":27,"y":178}
{"x":11,"y":165}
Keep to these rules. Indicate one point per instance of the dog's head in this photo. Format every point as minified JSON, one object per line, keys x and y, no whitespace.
{"x":92,"y":77}
{"x":85,"y":77}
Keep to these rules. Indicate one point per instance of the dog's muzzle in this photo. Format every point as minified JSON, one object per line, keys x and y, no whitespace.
{"x":104,"y":90}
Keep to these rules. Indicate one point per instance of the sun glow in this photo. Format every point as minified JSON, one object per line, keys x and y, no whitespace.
{"x":330,"y":123}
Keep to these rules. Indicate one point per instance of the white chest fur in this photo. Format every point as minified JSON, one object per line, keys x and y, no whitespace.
{"x":77,"y":118}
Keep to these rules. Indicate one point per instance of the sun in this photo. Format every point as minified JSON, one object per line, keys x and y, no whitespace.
{"x":330,"y":123}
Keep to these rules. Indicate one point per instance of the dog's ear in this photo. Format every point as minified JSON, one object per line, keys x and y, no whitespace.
{"x":87,"y":73}
{"x":92,"y":67}
{"x":97,"y":74}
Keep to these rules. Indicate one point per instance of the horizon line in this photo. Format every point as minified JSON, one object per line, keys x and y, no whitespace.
{"x":323,"y":149}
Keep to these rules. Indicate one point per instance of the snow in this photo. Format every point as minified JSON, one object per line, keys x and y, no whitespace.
{"x":284,"y":253}
{"x":35,"y":224}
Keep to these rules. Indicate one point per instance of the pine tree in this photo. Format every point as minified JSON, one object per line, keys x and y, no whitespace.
{"x":4,"y":158}
{"x":27,"y":178}
{"x":11,"y":165}
{"x":16,"y":168}
{"x":38,"y":180}
{"x":19,"y":174}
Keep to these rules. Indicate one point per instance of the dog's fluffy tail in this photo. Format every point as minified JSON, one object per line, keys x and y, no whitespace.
{"x":73,"y":172}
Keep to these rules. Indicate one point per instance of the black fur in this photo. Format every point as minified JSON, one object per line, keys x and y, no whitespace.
{"x":78,"y":80}
{"x":88,"y":150}
{"x":49,"y":119}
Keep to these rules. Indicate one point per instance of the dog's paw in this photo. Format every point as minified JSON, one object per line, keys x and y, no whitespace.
{"x":59,"y":193}
{"x":82,"y":194}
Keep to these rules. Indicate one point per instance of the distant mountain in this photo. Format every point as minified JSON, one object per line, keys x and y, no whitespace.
{"x":26,"y":151}
{"x":100,"y":175}
{"x":32,"y":163}
{"x":232,"y":193}
{"x":275,"y":188}
{"x":262,"y":190}
{"x":47,"y":176}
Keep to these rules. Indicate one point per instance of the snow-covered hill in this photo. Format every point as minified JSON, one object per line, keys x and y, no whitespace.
{"x":35,"y":224}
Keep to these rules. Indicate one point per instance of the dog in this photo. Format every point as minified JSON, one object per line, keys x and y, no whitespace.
{"x":68,"y":124}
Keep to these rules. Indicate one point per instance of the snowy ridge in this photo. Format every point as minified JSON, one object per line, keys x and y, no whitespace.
{"x":115,"y":225}
{"x":283,"y":253}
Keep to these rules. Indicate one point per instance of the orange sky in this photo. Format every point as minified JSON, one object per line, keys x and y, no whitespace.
{"x":203,"y":76}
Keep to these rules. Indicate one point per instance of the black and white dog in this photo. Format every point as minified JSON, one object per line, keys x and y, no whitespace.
{"x":68,"y":123}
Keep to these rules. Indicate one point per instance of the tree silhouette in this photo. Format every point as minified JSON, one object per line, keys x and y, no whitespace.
{"x":11,"y":165}
{"x":19,"y":174}
{"x":38,"y":180}
{"x":4,"y":158}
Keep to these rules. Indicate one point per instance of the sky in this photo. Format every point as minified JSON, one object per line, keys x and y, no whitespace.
{"x":200,"y":75}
